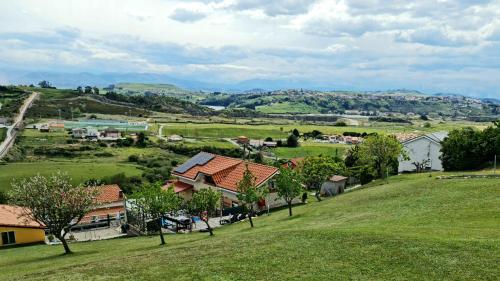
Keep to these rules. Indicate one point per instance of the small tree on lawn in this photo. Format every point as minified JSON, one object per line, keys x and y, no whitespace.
{"x":316,"y":170}
{"x":249,"y":194}
{"x":54,"y":201}
{"x":289,"y":186}
{"x":379,"y":151}
{"x":205,"y":203}
{"x":156,"y":202}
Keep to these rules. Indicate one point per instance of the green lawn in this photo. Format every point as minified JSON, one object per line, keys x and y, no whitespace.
{"x":311,"y":149}
{"x":415,"y":228}
{"x":208,"y":142}
{"x":220,"y":130}
{"x":78,"y":170}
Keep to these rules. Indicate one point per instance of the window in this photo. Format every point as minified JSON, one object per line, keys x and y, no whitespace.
{"x":8,"y":238}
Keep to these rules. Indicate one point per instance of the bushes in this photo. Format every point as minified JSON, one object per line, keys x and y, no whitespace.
{"x":470,"y":149}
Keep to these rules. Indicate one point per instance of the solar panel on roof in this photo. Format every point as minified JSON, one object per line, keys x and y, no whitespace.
{"x":199,"y":159}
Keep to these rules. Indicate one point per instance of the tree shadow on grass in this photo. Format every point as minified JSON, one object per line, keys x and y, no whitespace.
{"x":54,"y":257}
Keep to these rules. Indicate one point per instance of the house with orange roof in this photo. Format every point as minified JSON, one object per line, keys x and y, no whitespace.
{"x":110,"y":207}
{"x":16,"y":228}
{"x":293,"y":162}
{"x":206,"y":170}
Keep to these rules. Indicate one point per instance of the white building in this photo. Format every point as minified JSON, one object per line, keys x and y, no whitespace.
{"x":424,"y":153}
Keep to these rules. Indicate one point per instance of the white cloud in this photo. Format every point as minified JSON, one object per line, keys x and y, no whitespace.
{"x":428,"y":44}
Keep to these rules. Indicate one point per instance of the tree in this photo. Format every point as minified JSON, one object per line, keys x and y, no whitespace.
{"x":316,"y":170}
{"x":44,"y":84}
{"x":205,"y":203}
{"x":55,"y":202}
{"x":289,"y":186}
{"x":141,"y":140}
{"x":469,"y":149}
{"x":380,"y":151}
{"x":156,"y":203}
{"x":95,"y":90}
{"x":259,"y":157}
{"x":249,"y":194}
{"x":3,"y":197}
{"x":292,"y":141}
{"x":79,"y":89}
{"x":296,"y":133}
{"x":88,"y":90}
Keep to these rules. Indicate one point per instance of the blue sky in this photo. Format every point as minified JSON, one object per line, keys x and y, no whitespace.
{"x":431,"y":46}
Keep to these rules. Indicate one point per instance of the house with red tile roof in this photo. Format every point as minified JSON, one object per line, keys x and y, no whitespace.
{"x":293,"y":162}
{"x":110,"y":206}
{"x":16,"y":228}
{"x":206,"y":170}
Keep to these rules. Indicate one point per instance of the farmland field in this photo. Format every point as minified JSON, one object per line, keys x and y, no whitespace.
{"x":79,"y":171}
{"x":414,"y":228}
{"x":276,"y":131}
{"x":311,"y":149}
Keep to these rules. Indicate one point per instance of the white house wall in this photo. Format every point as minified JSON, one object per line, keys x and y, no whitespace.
{"x":419,"y":150}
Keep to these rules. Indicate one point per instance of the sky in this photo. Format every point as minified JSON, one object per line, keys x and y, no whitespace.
{"x":433,"y":46}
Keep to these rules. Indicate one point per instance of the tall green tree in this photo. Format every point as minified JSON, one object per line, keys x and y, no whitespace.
{"x":316,"y":170}
{"x":380,"y":152}
{"x":205,"y":203}
{"x":249,"y":193}
{"x":288,"y":186}
{"x":292,"y":141}
{"x":156,"y":203}
{"x":55,"y":202}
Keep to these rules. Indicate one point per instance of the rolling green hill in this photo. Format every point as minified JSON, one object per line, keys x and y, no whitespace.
{"x":73,"y":104}
{"x":414,"y":228}
{"x":160,"y":89}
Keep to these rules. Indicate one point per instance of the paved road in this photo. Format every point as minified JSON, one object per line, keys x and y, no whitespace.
{"x":18,"y":121}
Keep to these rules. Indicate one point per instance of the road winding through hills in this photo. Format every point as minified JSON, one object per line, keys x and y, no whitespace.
{"x":12,"y":130}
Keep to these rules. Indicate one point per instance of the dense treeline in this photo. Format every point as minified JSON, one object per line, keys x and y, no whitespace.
{"x":470,"y":149}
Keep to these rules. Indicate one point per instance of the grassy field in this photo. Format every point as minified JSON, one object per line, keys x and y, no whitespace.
{"x":79,"y":171}
{"x":219,"y":130}
{"x":414,"y":228}
{"x":311,"y":149}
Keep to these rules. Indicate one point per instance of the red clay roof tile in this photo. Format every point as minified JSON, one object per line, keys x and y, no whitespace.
{"x":13,"y":216}
{"x":227,"y":172}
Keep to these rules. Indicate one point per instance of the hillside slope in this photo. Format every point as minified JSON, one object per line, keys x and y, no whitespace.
{"x":415,"y":228}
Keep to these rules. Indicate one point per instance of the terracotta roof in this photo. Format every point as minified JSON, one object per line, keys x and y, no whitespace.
{"x":260,"y":172}
{"x":293,"y":162}
{"x":109,"y":193}
{"x":227,"y":172}
{"x":337,"y":178}
{"x":13,"y":216}
{"x":179,"y":186}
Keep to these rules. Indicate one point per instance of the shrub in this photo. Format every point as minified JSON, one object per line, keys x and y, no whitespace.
{"x":133,"y":158}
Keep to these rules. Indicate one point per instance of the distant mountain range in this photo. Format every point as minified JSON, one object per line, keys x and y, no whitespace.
{"x":73,"y":80}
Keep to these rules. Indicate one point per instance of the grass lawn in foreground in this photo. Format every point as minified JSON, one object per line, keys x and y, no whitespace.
{"x":414,"y":228}
{"x":79,"y":171}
